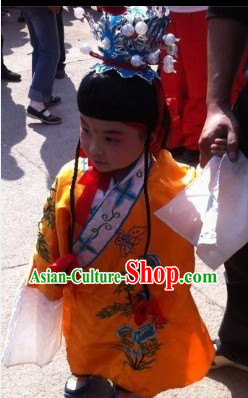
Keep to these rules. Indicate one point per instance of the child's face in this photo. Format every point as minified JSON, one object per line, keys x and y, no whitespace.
{"x":111,"y":146}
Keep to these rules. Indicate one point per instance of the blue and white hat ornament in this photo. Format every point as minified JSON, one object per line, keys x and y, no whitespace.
{"x":131,"y":42}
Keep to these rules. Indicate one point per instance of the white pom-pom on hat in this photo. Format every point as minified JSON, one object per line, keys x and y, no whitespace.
{"x":136,"y":61}
{"x":106,"y":44}
{"x":169,"y":39}
{"x":79,"y":12}
{"x":168,"y":60}
{"x":127,"y":30}
{"x":169,"y":68}
{"x":141,"y":28}
{"x":153,"y":58}
{"x":85,"y":48}
{"x":168,"y":64}
{"x":172,"y":50}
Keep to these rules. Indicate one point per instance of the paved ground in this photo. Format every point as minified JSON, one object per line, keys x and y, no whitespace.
{"x":32,"y":155}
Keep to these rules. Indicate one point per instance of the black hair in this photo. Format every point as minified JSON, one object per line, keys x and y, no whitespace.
{"x":72,"y":199}
{"x":108,"y":96}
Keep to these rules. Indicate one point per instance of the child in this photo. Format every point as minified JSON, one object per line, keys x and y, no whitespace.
{"x":144,"y":339}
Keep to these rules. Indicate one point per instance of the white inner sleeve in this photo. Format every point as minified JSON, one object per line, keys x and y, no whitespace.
{"x":35,"y":329}
{"x":212,"y":212}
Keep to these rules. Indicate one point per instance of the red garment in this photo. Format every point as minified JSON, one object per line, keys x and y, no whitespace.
{"x":240,"y":81}
{"x":185,"y":91}
{"x":113,"y":10}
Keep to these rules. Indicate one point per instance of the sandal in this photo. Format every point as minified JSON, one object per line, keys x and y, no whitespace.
{"x":51,"y":119}
{"x":74,"y":387}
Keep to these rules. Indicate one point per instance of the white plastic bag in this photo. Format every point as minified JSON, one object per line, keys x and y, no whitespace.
{"x":212,"y":212}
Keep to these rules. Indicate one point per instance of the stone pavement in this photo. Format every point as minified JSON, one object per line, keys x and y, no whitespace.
{"x":32,"y":155}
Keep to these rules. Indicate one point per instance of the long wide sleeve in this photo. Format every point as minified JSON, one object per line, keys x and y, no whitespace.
{"x":35,"y":328}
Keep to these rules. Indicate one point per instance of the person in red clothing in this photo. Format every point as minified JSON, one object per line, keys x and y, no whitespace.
{"x":185,"y":90}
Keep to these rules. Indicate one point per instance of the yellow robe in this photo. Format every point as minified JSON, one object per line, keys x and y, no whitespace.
{"x":98,"y":321}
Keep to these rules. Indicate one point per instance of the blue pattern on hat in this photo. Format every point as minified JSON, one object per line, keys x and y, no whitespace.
{"x":122,"y":48}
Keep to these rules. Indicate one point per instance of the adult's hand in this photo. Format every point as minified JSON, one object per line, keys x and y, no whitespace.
{"x":220,"y":123}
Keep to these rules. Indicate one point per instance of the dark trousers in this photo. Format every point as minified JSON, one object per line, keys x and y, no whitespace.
{"x":3,"y":67}
{"x":60,"y":26}
{"x":42,"y":26}
{"x":233,"y":331}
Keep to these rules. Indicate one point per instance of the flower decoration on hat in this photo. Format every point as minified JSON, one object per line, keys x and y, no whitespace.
{"x":131,"y":39}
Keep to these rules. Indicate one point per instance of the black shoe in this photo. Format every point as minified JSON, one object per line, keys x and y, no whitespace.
{"x":60,"y":74}
{"x":10,"y":76}
{"x":75,"y":388}
{"x":51,"y":119}
{"x":221,"y":360}
{"x":119,"y":391}
{"x":190,"y":157}
{"x":52,"y":101}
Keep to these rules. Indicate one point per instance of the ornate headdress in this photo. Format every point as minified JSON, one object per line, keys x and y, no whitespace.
{"x":131,"y":39}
